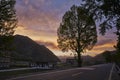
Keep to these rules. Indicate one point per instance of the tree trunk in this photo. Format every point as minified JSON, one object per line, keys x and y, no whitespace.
{"x":79,"y":60}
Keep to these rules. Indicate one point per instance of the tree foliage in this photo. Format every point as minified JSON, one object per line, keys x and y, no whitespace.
{"x":77,"y":31}
{"x":108,"y":56}
{"x":109,"y":10}
{"x":8,"y":19}
{"x":118,"y":34}
{"x":8,"y":22}
{"x":106,"y":11}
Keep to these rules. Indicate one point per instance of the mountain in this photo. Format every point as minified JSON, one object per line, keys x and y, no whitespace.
{"x":27,"y":49}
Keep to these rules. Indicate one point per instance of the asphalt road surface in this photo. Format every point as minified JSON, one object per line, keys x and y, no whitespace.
{"x":98,"y":72}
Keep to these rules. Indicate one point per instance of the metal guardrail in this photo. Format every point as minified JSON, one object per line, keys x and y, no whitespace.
{"x":118,"y":69}
{"x":115,"y":72}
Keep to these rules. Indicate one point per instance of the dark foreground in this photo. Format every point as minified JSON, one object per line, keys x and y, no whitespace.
{"x":98,"y":72}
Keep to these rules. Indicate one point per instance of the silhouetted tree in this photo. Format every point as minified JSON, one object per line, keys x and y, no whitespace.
{"x":118,"y":34}
{"x":8,"y":22}
{"x":8,"y":19}
{"x":117,"y":56}
{"x":108,"y":12}
{"x":77,"y":32}
{"x":108,"y":57}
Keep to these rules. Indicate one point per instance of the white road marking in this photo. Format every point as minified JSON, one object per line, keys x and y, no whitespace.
{"x":73,"y":75}
{"x":98,"y":65}
{"x":6,"y":70}
{"x":87,"y":68}
{"x":110,"y":76}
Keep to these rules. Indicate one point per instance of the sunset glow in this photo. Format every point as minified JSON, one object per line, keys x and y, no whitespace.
{"x":40,"y":19}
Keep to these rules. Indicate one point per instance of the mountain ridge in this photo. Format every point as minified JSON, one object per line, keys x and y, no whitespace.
{"x":28,"y":48}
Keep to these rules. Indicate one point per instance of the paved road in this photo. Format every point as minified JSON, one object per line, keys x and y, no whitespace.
{"x":98,"y":72}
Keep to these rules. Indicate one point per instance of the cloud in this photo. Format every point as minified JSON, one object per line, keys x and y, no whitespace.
{"x":103,"y":45}
{"x":36,"y":16}
{"x":50,"y":45}
{"x":42,"y":15}
{"x":105,"y":41}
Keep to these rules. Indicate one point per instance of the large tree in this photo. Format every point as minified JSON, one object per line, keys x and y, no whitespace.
{"x":8,"y":22}
{"x":77,"y":32}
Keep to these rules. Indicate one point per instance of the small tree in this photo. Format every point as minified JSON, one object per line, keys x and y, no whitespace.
{"x":8,"y":22}
{"x":8,"y":19}
{"x":77,"y":32}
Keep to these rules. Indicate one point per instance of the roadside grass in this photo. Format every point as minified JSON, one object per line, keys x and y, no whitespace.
{"x":16,"y":73}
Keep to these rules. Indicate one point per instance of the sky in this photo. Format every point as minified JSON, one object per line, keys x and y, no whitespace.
{"x":40,"y":19}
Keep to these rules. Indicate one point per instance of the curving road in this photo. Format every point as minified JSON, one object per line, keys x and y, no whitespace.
{"x":98,"y":72}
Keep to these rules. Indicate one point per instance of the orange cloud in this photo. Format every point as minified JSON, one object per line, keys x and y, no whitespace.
{"x":101,"y":46}
{"x":50,"y":45}
{"x":37,"y":36}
